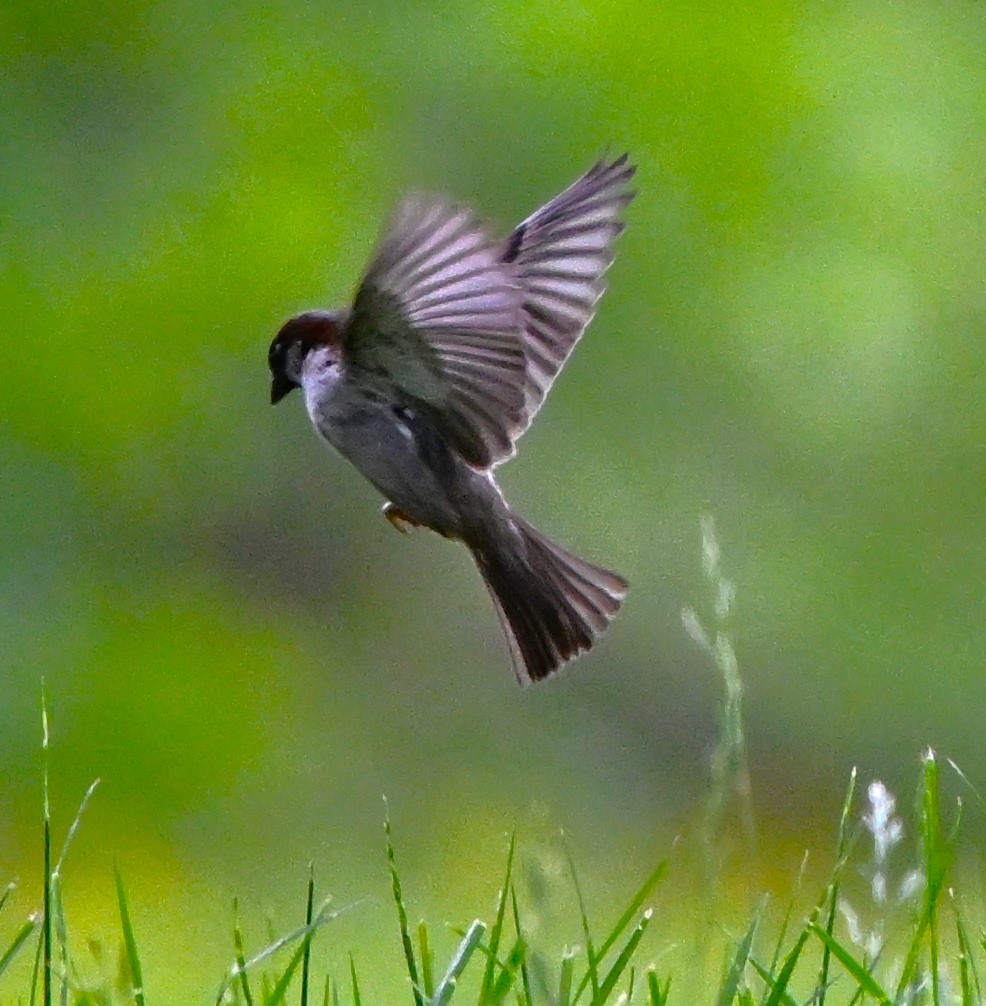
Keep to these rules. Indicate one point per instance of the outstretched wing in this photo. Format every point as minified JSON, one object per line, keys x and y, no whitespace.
{"x":438,"y":314}
{"x":560,"y":254}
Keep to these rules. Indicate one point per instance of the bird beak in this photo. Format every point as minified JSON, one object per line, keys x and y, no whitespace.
{"x":280,"y":385}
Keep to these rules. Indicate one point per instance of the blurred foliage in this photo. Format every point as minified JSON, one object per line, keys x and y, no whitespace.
{"x":230,"y":635}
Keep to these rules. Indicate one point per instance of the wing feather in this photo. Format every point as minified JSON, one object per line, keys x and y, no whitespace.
{"x":439,"y":315}
{"x":561,"y":254}
{"x":478,"y":331}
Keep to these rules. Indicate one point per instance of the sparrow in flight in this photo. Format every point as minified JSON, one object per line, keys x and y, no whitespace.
{"x":426,"y":382}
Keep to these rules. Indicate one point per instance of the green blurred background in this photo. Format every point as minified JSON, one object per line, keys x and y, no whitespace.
{"x":244,"y":652}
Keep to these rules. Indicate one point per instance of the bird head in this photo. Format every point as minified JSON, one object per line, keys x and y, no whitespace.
{"x":296,"y":339}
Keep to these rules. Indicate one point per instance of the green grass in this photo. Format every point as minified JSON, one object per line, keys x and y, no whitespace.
{"x":930,"y":959}
{"x":907,"y":943}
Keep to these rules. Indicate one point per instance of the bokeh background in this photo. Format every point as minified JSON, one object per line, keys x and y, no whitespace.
{"x":248,"y":657}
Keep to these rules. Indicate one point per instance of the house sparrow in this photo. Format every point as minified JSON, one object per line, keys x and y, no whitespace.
{"x":426,"y":382}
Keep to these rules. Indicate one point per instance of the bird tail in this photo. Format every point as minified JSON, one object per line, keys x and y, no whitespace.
{"x":552,"y":604}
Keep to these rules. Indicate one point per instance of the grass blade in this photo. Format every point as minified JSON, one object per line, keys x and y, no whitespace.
{"x":395,"y":879}
{"x":307,"y":960}
{"x":525,"y":975}
{"x":786,"y":921}
{"x":322,"y":916}
{"x":859,"y":972}
{"x":278,"y":993}
{"x":130,"y":942}
{"x":61,"y":937}
{"x":357,"y":998}
{"x":656,"y":996}
{"x":735,"y":974}
{"x":427,"y":960}
{"x":938,"y":855}
{"x":620,"y":964}
{"x":778,"y":985}
{"x":592,"y":975}
{"x":330,"y":994}
{"x":36,"y":970}
{"x":645,"y":890}
{"x":7,"y":892}
{"x":968,"y":974}
{"x":240,"y":967}
{"x":73,"y":830}
{"x":841,"y":853}
{"x":564,"y":997}
{"x":778,"y":991}
{"x":274,"y":995}
{"x":458,"y":963}
{"x":508,"y":975}
{"x":46,"y":940}
{"x":489,"y":974}
{"x":22,"y":936}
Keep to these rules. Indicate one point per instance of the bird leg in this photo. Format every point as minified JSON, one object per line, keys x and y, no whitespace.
{"x":399,"y":519}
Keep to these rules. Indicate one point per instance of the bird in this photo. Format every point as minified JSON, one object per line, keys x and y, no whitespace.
{"x":441,"y":362}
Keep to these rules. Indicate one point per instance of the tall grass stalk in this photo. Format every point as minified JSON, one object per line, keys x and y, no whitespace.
{"x":730,"y":775}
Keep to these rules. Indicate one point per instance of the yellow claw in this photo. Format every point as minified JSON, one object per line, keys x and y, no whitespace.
{"x":399,"y":519}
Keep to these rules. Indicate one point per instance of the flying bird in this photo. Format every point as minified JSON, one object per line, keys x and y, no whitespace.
{"x":426,"y":382}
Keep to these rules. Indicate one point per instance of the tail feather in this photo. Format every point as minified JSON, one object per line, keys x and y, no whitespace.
{"x":552,"y":604}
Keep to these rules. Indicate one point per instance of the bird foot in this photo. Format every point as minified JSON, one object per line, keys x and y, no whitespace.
{"x":399,"y":519}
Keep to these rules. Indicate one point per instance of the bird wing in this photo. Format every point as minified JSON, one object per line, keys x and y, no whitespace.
{"x":560,"y":254}
{"x":438,"y":315}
